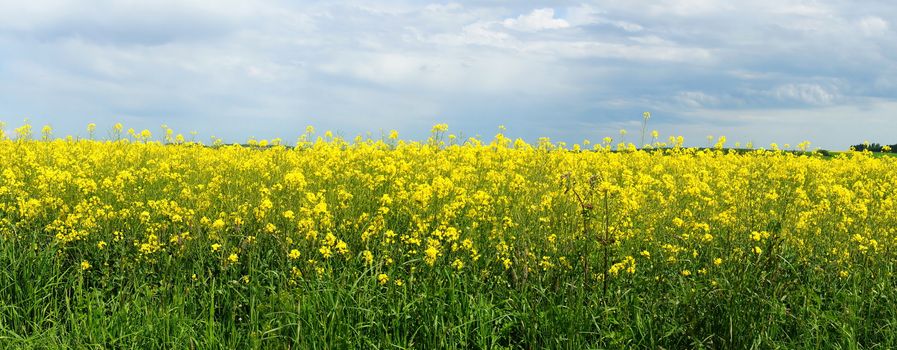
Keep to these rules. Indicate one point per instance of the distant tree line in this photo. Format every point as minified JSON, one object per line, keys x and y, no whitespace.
{"x":875,"y":147}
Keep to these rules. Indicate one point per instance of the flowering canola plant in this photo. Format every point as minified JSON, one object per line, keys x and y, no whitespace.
{"x":398,"y":214}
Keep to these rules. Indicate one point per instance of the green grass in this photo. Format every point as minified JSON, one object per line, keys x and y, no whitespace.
{"x":772,"y":304}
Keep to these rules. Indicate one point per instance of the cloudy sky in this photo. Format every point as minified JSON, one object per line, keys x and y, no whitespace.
{"x":761,"y":71}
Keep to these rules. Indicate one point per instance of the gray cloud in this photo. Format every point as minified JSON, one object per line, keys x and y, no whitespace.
{"x":571,"y":71}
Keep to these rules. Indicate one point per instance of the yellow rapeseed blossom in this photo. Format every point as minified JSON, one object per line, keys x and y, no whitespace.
{"x":458,"y":264}
{"x":368,"y":257}
{"x":504,"y":211}
{"x":325,"y":251}
{"x":431,"y":254}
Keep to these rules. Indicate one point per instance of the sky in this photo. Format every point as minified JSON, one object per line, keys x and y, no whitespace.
{"x":763,"y":71}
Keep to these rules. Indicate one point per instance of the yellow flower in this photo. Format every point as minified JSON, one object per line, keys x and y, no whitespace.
{"x":439,"y":128}
{"x":325,"y":251}
{"x":342,"y":247}
{"x":678,"y":222}
{"x":756,"y":235}
{"x":486,"y":209}
{"x":430,"y":255}
{"x":382,"y":279}
{"x":627,"y":264}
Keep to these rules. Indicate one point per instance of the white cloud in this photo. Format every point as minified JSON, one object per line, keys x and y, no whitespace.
{"x":539,"y":19}
{"x":685,"y":8}
{"x":480,"y":33}
{"x":812,"y":94}
{"x":635,"y":53}
{"x":586,"y":15}
{"x":628,"y":26}
{"x":697,"y":99}
{"x":803,"y":9}
{"x":269,"y":64}
{"x":443,"y":8}
{"x":873,"y":26}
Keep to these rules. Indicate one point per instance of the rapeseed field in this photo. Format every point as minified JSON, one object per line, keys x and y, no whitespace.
{"x":136,"y":240}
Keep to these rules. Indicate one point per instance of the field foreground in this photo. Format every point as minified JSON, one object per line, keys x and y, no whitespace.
{"x":392,"y":244}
